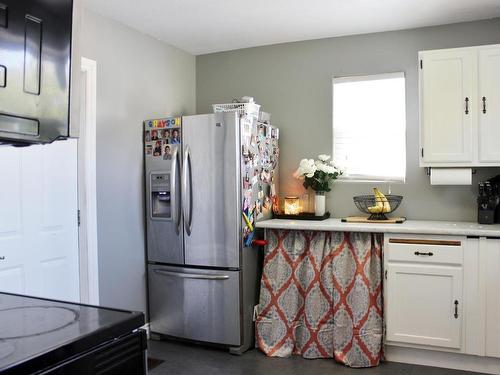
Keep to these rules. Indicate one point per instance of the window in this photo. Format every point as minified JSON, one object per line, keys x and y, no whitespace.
{"x":369,"y":127}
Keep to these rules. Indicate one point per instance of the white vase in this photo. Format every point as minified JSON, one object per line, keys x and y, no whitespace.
{"x":320,"y":204}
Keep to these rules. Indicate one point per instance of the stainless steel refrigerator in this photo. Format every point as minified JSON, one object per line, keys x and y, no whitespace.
{"x":209,"y":178}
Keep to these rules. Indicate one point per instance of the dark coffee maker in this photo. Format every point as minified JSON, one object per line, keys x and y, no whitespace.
{"x":488,"y":201}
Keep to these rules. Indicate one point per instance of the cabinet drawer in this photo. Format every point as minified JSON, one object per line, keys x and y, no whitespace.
{"x":425,"y":250}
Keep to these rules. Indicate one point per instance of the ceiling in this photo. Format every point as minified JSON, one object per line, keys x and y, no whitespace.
{"x":205,"y":26}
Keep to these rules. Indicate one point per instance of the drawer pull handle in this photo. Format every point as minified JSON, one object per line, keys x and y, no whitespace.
{"x":456,"y":310}
{"x":429,"y":254}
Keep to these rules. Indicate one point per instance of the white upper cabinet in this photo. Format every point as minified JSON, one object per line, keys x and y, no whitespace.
{"x":456,"y":86}
{"x":489,"y":110}
{"x":447,"y":84}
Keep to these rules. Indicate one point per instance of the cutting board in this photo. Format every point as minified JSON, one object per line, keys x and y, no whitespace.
{"x":364,"y":219}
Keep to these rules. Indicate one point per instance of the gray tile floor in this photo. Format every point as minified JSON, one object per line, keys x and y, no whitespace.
{"x":183,"y":359}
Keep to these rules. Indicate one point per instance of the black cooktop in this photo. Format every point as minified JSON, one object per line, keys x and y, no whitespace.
{"x":37,"y":333}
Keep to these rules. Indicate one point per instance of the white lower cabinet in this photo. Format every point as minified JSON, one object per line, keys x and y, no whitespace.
{"x":492,"y":260}
{"x":423,"y":304}
{"x":442,"y":301}
{"x":423,"y":291}
{"x":443,"y":293}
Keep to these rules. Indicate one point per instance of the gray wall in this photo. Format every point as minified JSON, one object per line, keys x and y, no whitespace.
{"x":293,"y":82}
{"x":138,"y":78}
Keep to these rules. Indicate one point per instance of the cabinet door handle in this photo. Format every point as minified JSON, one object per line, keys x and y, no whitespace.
{"x":467,"y":106}
{"x":484,"y":104}
{"x":429,"y":254}
{"x":456,"y":310}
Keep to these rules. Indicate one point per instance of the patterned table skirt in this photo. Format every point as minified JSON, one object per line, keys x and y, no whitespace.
{"x":321,"y":296}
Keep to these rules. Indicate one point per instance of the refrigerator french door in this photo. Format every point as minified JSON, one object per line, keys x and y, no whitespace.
{"x":211,"y":190}
{"x":163,"y":191}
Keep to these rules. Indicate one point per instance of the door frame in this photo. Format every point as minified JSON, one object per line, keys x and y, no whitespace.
{"x":87,"y":191}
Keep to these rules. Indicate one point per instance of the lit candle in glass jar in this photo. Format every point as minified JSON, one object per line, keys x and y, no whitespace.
{"x":292,"y":206}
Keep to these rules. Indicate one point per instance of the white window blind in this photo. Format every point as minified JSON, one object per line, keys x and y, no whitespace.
{"x":369,"y":127}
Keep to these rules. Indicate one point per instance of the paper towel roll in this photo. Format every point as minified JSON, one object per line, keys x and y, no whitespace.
{"x":451,"y":176}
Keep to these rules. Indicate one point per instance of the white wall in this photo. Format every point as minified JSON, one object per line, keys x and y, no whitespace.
{"x":138,"y":77}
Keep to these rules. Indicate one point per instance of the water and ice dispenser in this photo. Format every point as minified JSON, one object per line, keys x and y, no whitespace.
{"x":161,"y":199}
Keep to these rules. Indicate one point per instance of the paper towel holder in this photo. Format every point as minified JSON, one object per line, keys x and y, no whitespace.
{"x":428,"y":171}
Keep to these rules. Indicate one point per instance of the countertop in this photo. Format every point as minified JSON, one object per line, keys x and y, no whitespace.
{"x":36,"y":333}
{"x":409,"y":226}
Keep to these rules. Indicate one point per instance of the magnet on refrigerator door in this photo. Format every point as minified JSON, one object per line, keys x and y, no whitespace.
{"x":246,"y":181}
{"x":245,"y":152}
{"x":175,"y":136}
{"x":154,"y":135}
{"x":249,"y":239}
{"x":260,"y":194}
{"x":246,"y":127}
{"x":247,"y":222}
{"x":253,"y":141}
{"x":246,"y":204}
{"x":267,"y":203}
{"x":261,"y":132}
{"x":168,"y":151}
{"x":269,"y":132}
{"x":157,"y":150}
{"x":265,"y":176}
{"x":164,"y":134}
{"x":258,"y":209}
{"x":255,"y":178}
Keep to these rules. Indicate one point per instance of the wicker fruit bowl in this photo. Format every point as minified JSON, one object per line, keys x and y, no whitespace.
{"x":363,"y":202}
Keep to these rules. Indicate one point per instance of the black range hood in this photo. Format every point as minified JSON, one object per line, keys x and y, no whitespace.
{"x":35,"y":68}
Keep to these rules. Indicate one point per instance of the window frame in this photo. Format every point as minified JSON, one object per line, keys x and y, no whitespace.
{"x":370,"y":77}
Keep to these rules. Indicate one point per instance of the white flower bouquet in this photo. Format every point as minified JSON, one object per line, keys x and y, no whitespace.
{"x":318,"y":174}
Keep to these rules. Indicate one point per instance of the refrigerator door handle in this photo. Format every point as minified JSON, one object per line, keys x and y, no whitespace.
{"x":173,"y":188}
{"x":183,"y":275}
{"x":186,"y":175}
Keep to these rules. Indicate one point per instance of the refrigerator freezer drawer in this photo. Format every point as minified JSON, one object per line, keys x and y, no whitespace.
{"x":194,"y":304}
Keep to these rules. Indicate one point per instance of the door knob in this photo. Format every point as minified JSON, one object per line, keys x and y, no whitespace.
{"x":2,"y":257}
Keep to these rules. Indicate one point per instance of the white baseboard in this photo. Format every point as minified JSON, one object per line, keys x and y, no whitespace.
{"x":146,"y":328}
{"x":454,"y":361}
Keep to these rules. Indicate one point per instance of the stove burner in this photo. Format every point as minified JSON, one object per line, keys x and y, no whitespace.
{"x":27,"y":321}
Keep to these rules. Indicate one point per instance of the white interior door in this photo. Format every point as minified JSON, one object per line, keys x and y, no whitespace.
{"x":423,"y":305}
{"x":489,"y":104}
{"x":38,"y":220}
{"x":448,"y":109}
